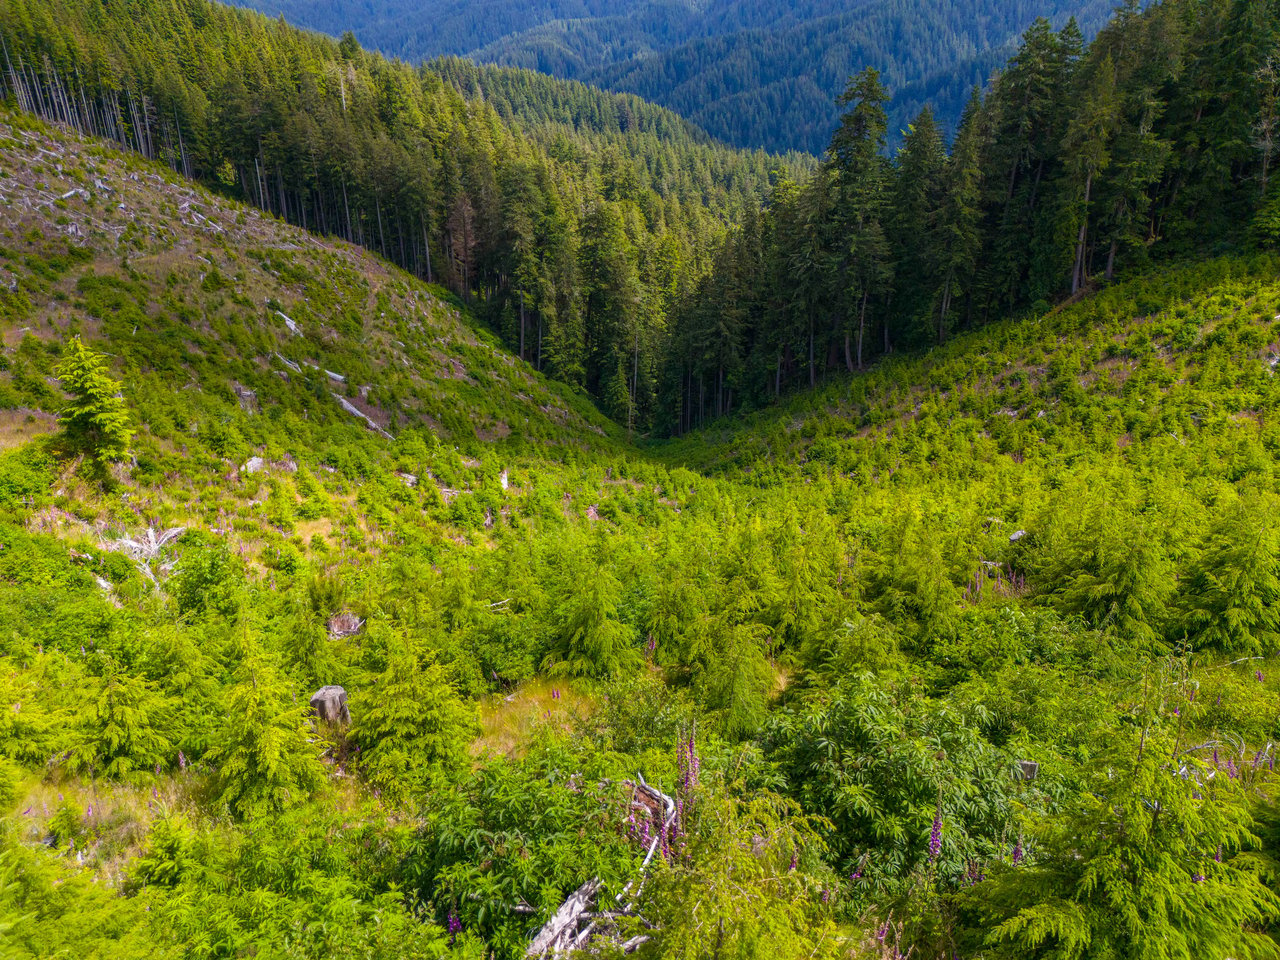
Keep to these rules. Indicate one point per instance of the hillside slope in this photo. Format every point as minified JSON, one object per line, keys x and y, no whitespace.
{"x":1180,"y":357}
{"x":912,"y":653}
{"x":193,"y":291}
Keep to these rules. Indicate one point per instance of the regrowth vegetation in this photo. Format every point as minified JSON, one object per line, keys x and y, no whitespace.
{"x":972,"y":654}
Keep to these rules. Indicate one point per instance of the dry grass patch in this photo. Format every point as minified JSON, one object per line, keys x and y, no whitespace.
{"x":509,"y":721}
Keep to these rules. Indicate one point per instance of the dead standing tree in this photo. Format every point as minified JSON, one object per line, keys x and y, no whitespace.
{"x":146,"y":548}
{"x":574,"y":925}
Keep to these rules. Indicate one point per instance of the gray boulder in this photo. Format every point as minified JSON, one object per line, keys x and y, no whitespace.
{"x":330,"y":705}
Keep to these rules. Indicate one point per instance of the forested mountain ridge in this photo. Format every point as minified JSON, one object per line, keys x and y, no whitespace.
{"x":1081,"y":164}
{"x":753,"y":73}
{"x":548,"y":109}
{"x":344,"y":142}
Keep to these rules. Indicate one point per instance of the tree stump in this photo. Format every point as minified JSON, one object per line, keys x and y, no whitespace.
{"x":330,"y":705}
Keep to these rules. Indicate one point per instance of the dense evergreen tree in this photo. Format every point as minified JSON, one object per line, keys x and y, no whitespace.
{"x":861,"y":183}
{"x":96,"y":421}
{"x":918,"y":231}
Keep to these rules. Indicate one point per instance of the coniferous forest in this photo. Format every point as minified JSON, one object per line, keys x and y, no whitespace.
{"x":452,"y":511}
{"x":752,"y":72}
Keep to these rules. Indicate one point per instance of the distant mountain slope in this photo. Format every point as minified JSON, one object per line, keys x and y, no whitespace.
{"x":506,"y":212}
{"x":754,"y":73}
{"x":212,"y":306}
{"x":675,"y":155}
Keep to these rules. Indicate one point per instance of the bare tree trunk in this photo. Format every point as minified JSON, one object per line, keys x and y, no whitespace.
{"x":346,"y":206}
{"x":862,"y":324}
{"x":1077,"y":274}
{"x":382,"y":240}
{"x":635,"y":381}
{"x":813,"y":376}
{"x":946,"y":309}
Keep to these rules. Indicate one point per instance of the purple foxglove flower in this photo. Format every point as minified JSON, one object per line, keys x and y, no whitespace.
{"x":935,"y":837}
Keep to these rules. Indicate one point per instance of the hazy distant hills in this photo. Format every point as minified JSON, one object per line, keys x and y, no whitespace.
{"x":754,"y":73}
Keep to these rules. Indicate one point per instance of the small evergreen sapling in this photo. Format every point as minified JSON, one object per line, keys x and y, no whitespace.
{"x":265,"y":755}
{"x":95,"y":422}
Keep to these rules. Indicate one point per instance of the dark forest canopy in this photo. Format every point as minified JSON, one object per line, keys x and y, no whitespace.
{"x":755,"y":73}
{"x":393,"y":157}
{"x":1157,"y":142}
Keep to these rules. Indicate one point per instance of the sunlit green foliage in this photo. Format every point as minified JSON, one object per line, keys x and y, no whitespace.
{"x":265,"y":754}
{"x":865,"y":612}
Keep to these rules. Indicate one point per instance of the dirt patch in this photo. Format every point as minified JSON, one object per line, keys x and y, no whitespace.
{"x":22,"y":425}
{"x":493,"y":432}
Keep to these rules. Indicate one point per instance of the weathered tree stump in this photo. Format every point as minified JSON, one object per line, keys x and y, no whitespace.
{"x":329,"y":704}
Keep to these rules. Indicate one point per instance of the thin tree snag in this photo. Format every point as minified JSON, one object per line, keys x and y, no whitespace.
{"x":575,"y":923}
